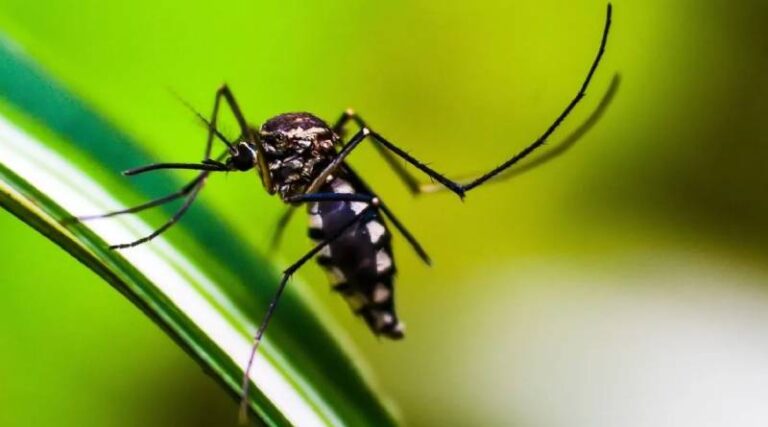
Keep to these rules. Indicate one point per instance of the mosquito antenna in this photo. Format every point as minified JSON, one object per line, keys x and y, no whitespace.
{"x":208,"y":124}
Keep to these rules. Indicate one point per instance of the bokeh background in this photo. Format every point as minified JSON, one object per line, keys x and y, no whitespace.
{"x":621,"y":284}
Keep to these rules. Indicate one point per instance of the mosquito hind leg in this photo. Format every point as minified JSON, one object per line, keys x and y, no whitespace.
{"x":558,"y":150}
{"x":392,"y":151}
{"x":413,"y":185}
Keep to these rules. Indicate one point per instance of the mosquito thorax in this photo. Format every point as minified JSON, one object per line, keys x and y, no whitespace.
{"x":297,"y":146}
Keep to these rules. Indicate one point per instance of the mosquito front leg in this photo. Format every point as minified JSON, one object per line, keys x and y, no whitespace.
{"x":247,"y":132}
{"x":152,"y":203}
{"x":173,"y":220}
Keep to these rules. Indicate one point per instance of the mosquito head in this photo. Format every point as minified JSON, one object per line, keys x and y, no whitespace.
{"x":242,"y":157}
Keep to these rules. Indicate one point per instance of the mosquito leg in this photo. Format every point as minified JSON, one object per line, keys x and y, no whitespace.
{"x":566,"y":144}
{"x":338,"y":161}
{"x":212,"y":126}
{"x":359,"y":137}
{"x":526,"y":151}
{"x":540,"y":141}
{"x":273,"y":304}
{"x":247,"y":132}
{"x":415,"y":187}
{"x":456,"y":187}
{"x":152,"y":203}
{"x":408,"y":236}
{"x":207,"y":165}
{"x":442,"y":179}
{"x":175,"y":218}
{"x":355,"y":142}
{"x":408,"y":179}
{"x":334,"y":197}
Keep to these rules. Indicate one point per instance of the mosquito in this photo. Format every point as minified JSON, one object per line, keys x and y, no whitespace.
{"x":303,"y":160}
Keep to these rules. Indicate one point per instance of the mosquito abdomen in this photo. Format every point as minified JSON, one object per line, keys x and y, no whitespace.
{"x":359,"y":263}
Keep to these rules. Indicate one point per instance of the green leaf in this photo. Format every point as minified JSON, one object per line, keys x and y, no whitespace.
{"x":207,"y":295}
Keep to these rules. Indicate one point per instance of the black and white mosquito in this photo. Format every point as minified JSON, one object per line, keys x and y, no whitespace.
{"x":302,"y":159}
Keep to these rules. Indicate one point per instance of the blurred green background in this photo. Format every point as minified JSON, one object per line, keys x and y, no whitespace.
{"x":622,"y":284}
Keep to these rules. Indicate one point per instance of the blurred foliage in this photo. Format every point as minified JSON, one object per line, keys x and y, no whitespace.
{"x":676,"y":164}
